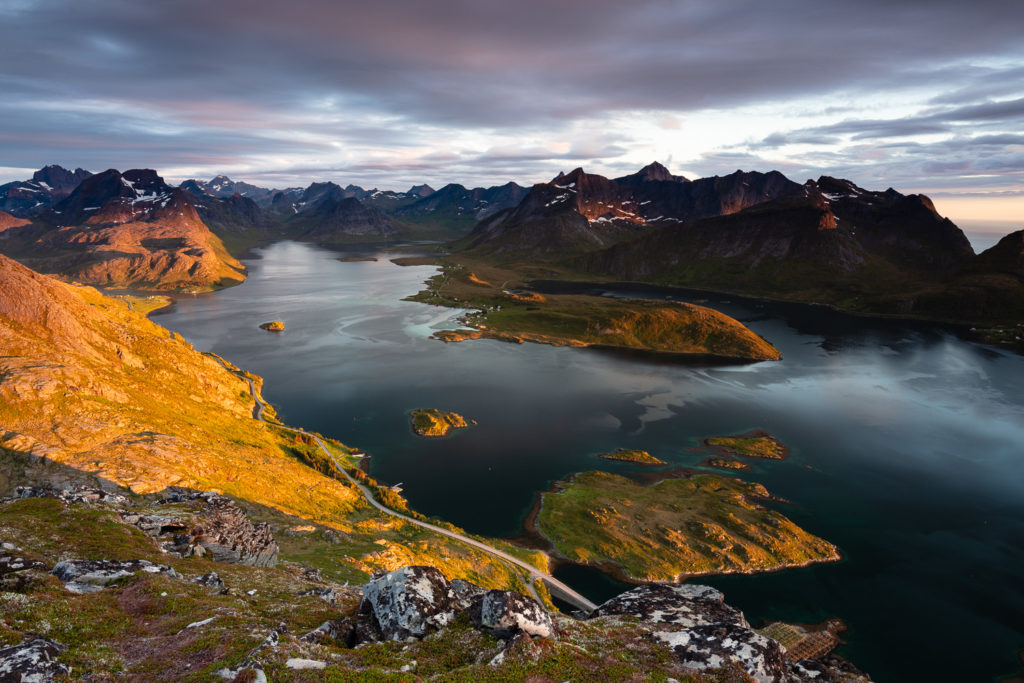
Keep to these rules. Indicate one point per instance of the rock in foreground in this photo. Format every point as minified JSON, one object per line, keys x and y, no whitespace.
{"x":33,"y":661}
{"x":412,"y":602}
{"x":273,"y":326}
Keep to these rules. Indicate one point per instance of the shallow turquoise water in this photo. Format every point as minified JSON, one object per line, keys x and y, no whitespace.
{"x":906,"y":441}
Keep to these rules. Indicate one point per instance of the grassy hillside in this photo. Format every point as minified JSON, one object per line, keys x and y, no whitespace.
{"x":91,"y":390}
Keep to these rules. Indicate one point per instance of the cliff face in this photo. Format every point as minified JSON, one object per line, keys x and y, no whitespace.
{"x":127,"y":230}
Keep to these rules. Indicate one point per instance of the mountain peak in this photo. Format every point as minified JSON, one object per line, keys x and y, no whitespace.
{"x":571,"y":177}
{"x":652,"y":172}
{"x":60,"y":179}
{"x":420,"y":190}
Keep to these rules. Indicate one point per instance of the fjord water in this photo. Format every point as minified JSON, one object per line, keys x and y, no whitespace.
{"x":907,"y":443}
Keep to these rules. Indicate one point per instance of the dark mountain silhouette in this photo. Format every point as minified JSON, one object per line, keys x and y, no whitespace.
{"x":25,"y":198}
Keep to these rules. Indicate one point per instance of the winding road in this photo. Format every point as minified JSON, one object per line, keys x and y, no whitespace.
{"x":556,"y":587}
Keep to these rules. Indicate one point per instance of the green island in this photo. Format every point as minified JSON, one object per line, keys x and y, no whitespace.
{"x":756,"y":444}
{"x":273,"y":326}
{"x":356,"y":259}
{"x":634,"y":456}
{"x":505,"y":309}
{"x":431,"y":422}
{"x":725,"y":463}
{"x":675,"y":528}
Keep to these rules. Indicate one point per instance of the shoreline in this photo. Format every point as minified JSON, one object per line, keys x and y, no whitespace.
{"x":681,"y":357}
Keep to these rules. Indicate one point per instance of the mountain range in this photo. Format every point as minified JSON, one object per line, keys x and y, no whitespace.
{"x":760,"y":234}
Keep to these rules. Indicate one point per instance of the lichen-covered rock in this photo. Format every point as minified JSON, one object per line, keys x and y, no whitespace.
{"x":686,"y":605}
{"x":15,"y":571}
{"x":464,"y":592}
{"x":712,"y":646}
{"x":33,"y":661}
{"x":90,"y":576}
{"x":703,"y":632}
{"x":505,"y":613}
{"x":211,"y":580}
{"x":328,"y":595}
{"x":13,"y":563}
{"x":408,"y":602}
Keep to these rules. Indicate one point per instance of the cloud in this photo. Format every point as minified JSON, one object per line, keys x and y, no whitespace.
{"x":407,"y":87}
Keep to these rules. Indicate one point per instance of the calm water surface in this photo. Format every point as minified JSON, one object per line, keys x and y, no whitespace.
{"x":907,"y":442}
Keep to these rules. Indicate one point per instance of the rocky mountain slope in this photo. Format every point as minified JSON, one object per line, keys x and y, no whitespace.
{"x":47,"y":186}
{"x":759,"y":234}
{"x":580,"y":212}
{"x":126,"y":230}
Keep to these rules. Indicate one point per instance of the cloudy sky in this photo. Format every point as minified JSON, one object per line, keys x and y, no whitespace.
{"x":923,"y":96}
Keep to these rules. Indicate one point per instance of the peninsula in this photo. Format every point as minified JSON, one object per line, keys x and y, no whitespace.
{"x":673,"y":529}
{"x":509,"y":311}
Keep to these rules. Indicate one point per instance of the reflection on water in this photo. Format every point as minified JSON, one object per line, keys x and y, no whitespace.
{"x":906,"y":440}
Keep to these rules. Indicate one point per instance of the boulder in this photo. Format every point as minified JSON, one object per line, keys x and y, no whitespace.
{"x":408,"y":602}
{"x":211,"y":580}
{"x":328,"y":595}
{"x":33,"y":661}
{"x":90,"y":576}
{"x":686,"y":605}
{"x":702,"y":631}
{"x":712,"y":646}
{"x":465,"y":592}
{"x":505,"y":613}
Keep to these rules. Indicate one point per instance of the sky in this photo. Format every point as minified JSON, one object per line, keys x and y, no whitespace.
{"x":922,"y":96}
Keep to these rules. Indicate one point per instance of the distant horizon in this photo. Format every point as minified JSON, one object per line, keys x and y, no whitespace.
{"x":983,"y":218}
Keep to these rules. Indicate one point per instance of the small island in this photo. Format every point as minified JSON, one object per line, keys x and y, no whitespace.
{"x":755,"y":444}
{"x":431,"y":422}
{"x":273,"y":326}
{"x":634,"y":456}
{"x":725,"y":463}
{"x":356,"y":259}
{"x":672,"y":529}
